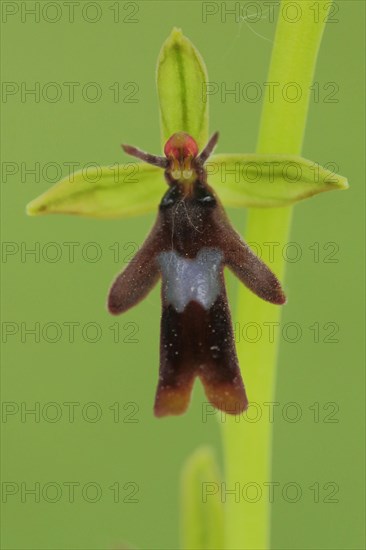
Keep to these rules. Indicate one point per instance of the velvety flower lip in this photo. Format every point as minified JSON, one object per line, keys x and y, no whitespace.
{"x":188,"y":247}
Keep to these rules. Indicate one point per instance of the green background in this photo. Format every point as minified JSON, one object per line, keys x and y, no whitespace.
{"x":150,"y":452}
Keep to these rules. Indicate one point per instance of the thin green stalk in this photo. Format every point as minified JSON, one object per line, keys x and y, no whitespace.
{"x":248,"y":445}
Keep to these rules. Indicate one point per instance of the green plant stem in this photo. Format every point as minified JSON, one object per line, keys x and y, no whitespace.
{"x":248,"y":445}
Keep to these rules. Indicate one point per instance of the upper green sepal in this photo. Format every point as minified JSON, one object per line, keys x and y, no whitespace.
{"x":269,"y":180}
{"x":181,"y":74}
{"x":109,"y":192}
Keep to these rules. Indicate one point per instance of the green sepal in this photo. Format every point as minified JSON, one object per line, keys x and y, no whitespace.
{"x":119,"y":191}
{"x":181,"y":76}
{"x":268,"y":180}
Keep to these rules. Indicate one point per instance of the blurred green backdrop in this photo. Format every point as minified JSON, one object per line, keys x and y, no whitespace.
{"x":124,"y":466}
